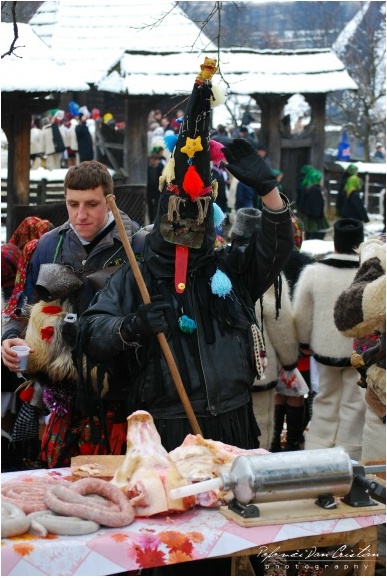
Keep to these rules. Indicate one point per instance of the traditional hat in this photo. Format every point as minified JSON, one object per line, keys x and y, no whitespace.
{"x":60,"y":114}
{"x":107,"y":116}
{"x":187,"y":215}
{"x":10,"y":255}
{"x":84,"y":111}
{"x":347,"y":235}
{"x":353,"y":184}
{"x":312,"y":177}
{"x":73,"y":108}
{"x":352,"y":169}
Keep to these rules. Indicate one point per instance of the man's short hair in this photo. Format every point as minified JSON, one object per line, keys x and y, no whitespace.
{"x":89,"y":175}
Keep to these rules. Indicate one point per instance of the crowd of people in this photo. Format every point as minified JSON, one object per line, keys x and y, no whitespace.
{"x":239,"y":319}
{"x":63,"y":138}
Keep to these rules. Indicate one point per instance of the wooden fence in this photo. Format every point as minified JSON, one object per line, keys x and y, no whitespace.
{"x":46,"y":200}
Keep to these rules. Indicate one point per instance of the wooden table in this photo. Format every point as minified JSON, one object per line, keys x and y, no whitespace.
{"x":196,"y":534}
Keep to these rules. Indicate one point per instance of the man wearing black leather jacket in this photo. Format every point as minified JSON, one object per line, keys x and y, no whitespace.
{"x":216,"y":360}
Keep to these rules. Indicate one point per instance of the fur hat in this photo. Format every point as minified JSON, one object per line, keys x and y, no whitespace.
{"x":348,"y":234}
{"x":246,"y":220}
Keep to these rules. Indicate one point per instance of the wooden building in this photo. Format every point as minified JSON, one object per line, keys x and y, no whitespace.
{"x":32,"y":81}
{"x":134,"y":61}
{"x":269,"y":77}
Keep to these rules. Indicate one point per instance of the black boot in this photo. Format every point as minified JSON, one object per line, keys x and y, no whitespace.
{"x":279,"y":415}
{"x":294,"y":428}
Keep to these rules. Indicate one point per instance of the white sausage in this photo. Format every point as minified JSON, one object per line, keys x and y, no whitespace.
{"x":14,"y":522}
{"x":47,"y":522}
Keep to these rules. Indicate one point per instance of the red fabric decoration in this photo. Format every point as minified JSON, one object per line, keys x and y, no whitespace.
{"x":51,"y":309}
{"x":173,"y":189}
{"x":86,"y":449}
{"x":117,"y":438}
{"x":47,"y":332}
{"x":192,"y":183}
{"x":27,"y":394}
{"x":181,"y":264}
{"x":303,"y":364}
{"x":216,"y":152}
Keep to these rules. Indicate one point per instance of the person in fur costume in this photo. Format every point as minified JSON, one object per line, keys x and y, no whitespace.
{"x":338,"y":408}
{"x":360,"y":312}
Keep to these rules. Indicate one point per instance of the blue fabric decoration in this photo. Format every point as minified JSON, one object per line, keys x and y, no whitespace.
{"x":220,"y":284}
{"x":186,"y":324}
{"x":219,"y":216}
{"x":73,"y":108}
{"x":170,"y":141}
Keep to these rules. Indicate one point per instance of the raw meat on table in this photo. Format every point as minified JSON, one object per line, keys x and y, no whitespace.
{"x":148,"y":473}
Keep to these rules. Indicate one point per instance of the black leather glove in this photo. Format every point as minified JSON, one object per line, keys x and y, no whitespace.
{"x":248,"y":167}
{"x":149,"y":319}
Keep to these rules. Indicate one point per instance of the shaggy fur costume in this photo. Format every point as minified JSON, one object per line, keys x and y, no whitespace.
{"x":52,"y":355}
{"x":361,"y":310}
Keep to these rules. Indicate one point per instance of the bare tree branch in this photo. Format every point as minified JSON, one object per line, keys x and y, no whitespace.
{"x":12,"y":47}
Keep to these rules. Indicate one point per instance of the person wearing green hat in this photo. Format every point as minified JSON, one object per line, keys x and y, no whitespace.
{"x":353,"y":207}
{"x":312,"y":207}
{"x":350,"y":171}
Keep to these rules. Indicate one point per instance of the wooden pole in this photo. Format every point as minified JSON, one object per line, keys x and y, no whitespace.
{"x":160,"y":336}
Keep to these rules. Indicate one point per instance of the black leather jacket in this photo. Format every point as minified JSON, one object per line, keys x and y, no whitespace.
{"x":216,"y":361}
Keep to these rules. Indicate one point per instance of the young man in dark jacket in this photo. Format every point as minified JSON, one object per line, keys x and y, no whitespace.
{"x":86,"y":244}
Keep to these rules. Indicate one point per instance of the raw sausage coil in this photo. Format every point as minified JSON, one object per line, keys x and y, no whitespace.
{"x":28,"y":495}
{"x":14,"y":522}
{"x":46,"y":522}
{"x":73,"y":500}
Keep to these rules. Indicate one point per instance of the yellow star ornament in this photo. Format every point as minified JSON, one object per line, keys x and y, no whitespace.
{"x":192,"y":146}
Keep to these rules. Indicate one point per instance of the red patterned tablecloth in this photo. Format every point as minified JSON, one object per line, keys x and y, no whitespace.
{"x":147,"y":542}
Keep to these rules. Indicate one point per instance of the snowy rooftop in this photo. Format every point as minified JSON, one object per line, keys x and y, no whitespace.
{"x":245,"y":71}
{"x":158,"y":49}
{"x":93,"y":36}
{"x":33,"y":67}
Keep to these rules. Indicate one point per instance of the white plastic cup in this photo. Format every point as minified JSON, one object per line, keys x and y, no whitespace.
{"x":23,"y":352}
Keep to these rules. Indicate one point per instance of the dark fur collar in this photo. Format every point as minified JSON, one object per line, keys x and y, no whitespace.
{"x":340,"y":263}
